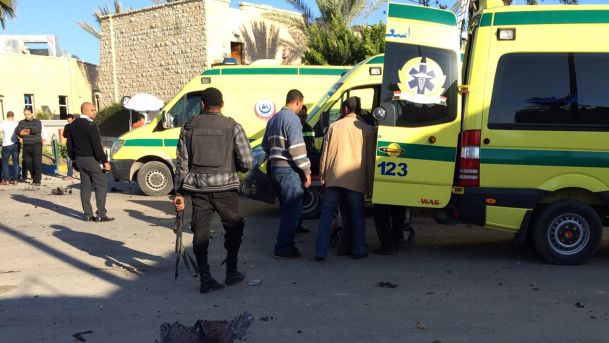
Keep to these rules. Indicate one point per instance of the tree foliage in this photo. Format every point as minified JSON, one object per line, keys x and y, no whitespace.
{"x":98,"y":14}
{"x":344,"y":10}
{"x":335,"y":43}
{"x":7,"y":10}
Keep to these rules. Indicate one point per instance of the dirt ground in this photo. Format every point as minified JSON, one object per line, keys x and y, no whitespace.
{"x":60,"y":276}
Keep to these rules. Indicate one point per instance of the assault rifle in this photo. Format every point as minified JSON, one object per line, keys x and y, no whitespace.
{"x":189,"y":261}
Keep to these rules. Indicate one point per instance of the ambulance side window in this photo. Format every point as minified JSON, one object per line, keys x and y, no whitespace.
{"x":551,"y":91}
{"x":187,"y":107}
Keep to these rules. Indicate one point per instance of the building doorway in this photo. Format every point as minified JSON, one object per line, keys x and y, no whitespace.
{"x":236,"y":51}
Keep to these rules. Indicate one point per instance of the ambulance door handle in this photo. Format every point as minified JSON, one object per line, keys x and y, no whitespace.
{"x":486,"y":141}
{"x":431,"y":139}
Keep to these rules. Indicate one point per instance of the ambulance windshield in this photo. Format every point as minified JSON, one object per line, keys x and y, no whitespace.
{"x":332,"y":90}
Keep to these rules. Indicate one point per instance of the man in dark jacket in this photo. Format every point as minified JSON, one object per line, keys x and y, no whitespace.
{"x":29,"y":130}
{"x":211,"y":150}
{"x":85,"y":149}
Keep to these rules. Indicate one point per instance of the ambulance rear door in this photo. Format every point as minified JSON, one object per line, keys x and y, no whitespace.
{"x":419,"y":118}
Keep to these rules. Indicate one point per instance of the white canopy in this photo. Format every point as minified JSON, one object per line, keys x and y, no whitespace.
{"x":143,"y":102}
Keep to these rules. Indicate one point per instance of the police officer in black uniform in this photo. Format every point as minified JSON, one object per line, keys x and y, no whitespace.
{"x":211,"y":150}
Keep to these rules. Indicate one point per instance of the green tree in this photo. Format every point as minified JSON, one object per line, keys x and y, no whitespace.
{"x":7,"y":10}
{"x":342,"y":10}
{"x":335,"y":43}
{"x":98,"y":14}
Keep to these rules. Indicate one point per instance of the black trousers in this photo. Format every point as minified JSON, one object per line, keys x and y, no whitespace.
{"x":389,"y":221}
{"x":203,"y":207}
{"x":92,"y":177}
{"x":32,"y":160}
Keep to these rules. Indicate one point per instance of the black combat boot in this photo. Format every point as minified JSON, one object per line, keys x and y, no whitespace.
{"x":208,"y":283}
{"x":232,"y":243}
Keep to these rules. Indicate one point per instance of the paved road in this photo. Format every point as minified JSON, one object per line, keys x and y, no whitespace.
{"x":60,"y":276}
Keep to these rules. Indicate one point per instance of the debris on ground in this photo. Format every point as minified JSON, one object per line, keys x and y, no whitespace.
{"x":207,"y":331}
{"x":579,"y":305}
{"x":61,"y":191}
{"x":421,"y":326}
{"x":254,"y":282}
{"x":78,"y":336}
{"x":386,"y":285}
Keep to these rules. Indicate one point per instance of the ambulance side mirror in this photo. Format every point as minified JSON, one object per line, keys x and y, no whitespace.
{"x":167,"y":120}
{"x":386,"y":113}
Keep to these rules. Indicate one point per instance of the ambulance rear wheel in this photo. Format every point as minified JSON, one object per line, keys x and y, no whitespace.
{"x":567,"y":232}
{"x":154,"y":179}
{"x":311,"y":205}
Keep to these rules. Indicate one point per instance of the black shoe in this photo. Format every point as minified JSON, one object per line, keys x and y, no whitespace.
{"x":234,"y":277}
{"x":302,"y":230}
{"x":384,"y":251}
{"x":320,"y":258}
{"x":294,"y":254}
{"x":105,"y":219}
{"x":211,"y":285}
{"x":90,"y":219}
{"x":36,"y":184}
{"x":359,"y":257}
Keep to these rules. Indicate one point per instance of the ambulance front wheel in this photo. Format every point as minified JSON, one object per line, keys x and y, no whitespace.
{"x":567,"y":232}
{"x":154,"y":179}
{"x":311,"y":205}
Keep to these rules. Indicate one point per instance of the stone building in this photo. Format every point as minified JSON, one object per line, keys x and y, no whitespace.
{"x":38,"y":74}
{"x":158,"y":49}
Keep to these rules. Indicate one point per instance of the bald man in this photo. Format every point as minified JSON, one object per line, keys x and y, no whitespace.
{"x":85,"y":149}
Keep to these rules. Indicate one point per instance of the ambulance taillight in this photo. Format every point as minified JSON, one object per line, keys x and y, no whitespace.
{"x":469,"y":159}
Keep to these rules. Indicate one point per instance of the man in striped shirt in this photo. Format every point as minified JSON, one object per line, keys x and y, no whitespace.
{"x":290,"y":169}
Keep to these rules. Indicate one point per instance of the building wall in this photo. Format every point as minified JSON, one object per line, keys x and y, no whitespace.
{"x":155,"y":50}
{"x":158,"y":49}
{"x":46,"y":78}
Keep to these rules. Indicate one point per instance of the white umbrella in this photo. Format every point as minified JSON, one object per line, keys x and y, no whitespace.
{"x":143,"y":102}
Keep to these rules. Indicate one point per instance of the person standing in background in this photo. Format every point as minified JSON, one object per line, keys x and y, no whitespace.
{"x":10,"y":149}
{"x":69,"y":119}
{"x":85,"y":149}
{"x":30,"y":132}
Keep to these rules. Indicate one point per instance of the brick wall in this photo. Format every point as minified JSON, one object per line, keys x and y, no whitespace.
{"x":155,"y":50}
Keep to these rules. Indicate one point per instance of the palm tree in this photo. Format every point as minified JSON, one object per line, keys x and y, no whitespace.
{"x":98,"y":14}
{"x":7,"y":10}
{"x":347,"y":10}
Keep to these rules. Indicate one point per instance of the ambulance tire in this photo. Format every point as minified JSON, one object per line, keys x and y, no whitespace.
{"x":567,"y":232}
{"x":311,"y":205}
{"x":155,"y":179}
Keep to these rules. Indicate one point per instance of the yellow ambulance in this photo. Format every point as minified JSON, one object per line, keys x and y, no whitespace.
{"x":520,"y":140}
{"x":252,"y":95}
{"x":363,"y":80}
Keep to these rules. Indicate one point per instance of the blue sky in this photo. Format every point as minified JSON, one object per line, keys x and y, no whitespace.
{"x":59,"y":17}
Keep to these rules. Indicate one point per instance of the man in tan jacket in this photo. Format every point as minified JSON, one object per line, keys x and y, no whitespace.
{"x":346,"y":170}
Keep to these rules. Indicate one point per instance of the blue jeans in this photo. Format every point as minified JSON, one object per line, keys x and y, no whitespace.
{"x":289,"y":186}
{"x":332,"y":196}
{"x":13,"y":152}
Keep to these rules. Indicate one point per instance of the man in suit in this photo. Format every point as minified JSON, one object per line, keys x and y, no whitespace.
{"x":85,"y":149}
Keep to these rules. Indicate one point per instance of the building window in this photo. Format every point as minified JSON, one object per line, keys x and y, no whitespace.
{"x":29,"y":101}
{"x":63,"y":106}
